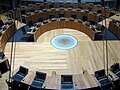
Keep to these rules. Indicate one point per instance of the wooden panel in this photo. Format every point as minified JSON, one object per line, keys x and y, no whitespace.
{"x":65,"y":24}
{"x":7,"y":34}
{"x":106,"y":12}
{"x":93,"y":17}
{"x":114,"y":29}
{"x":84,"y":81}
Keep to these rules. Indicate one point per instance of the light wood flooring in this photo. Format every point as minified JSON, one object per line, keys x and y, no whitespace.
{"x":42,"y":56}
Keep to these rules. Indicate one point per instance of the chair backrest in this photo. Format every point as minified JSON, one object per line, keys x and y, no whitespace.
{"x":115,"y":67}
{"x":61,"y":5}
{"x":1,"y":23}
{"x":23,"y":12}
{"x":51,"y":16}
{"x":26,"y":28}
{"x":2,"y":55}
{"x":23,"y":70}
{"x":61,"y":15}
{"x":30,"y":23}
{"x":40,"y":19}
{"x":100,"y":73}
{"x":73,"y":16}
{"x":32,"y":9}
{"x":40,"y":75}
{"x":66,"y":79}
{"x":51,"y":6}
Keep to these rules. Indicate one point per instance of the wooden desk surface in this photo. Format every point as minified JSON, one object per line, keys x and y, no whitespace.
{"x":83,"y":81}
{"x":29,"y":78}
{"x":53,"y":82}
{"x":80,"y":81}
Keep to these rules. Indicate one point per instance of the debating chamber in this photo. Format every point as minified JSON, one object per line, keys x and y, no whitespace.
{"x":59,"y":44}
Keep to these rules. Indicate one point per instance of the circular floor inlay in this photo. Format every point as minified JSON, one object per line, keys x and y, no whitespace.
{"x":64,"y":41}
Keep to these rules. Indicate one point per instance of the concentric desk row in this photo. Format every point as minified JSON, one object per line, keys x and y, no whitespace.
{"x":80,"y":81}
{"x":114,"y":27}
{"x":29,"y":80}
{"x":59,"y":4}
{"x":41,"y":81}
{"x":45,"y":14}
{"x":62,"y":22}
{"x":6,"y":32}
{"x":40,"y":6}
{"x":31,"y":8}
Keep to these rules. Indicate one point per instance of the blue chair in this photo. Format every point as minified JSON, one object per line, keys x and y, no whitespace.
{"x":78,"y":9}
{"x":116,"y":69}
{"x":80,"y":21}
{"x":73,"y":16}
{"x":66,"y":82}
{"x":2,"y":55}
{"x":37,"y":24}
{"x":38,"y":81}
{"x":27,"y":29}
{"x":106,"y":84}
{"x":45,"y":21}
{"x":1,"y":30}
{"x":54,"y":19}
{"x":36,"y":11}
{"x":51,"y":16}
{"x":44,"y":10}
{"x":71,"y":19}
{"x":23,"y":71}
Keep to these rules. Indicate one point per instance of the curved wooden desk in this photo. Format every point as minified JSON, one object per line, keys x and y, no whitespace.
{"x":53,"y":82}
{"x":6,"y":34}
{"x":64,"y":24}
{"x":114,"y":28}
{"x":67,"y":14}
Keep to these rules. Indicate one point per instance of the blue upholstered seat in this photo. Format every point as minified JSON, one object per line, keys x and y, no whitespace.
{"x":106,"y":84}
{"x":20,"y":74}
{"x":95,"y":13}
{"x":80,"y":21}
{"x":78,"y":9}
{"x":2,"y":55}
{"x":116,"y":69}
{"x":37,"y":24}
{"x":44,"y":10}
{"x":62,"y":18}
{"x":66,"y":82}
{"x":45,"y":21}
{"x":38,"y":80}
{"x":71,"y":19}
{"x":36,"y":11}
{"x":87,"y":10}
{"x":88,"y":23}
{"x":52,"y":9}
{"x":54,"y":19}
{"x":28,"y":13}
{"x":70,"y":8}
{"x":61,"y":8}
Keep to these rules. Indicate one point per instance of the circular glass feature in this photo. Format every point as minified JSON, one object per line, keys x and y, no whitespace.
{"x":64,"y":41}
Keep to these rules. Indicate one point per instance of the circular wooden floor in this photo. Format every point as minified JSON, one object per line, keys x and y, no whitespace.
{"x":42,"y":56}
